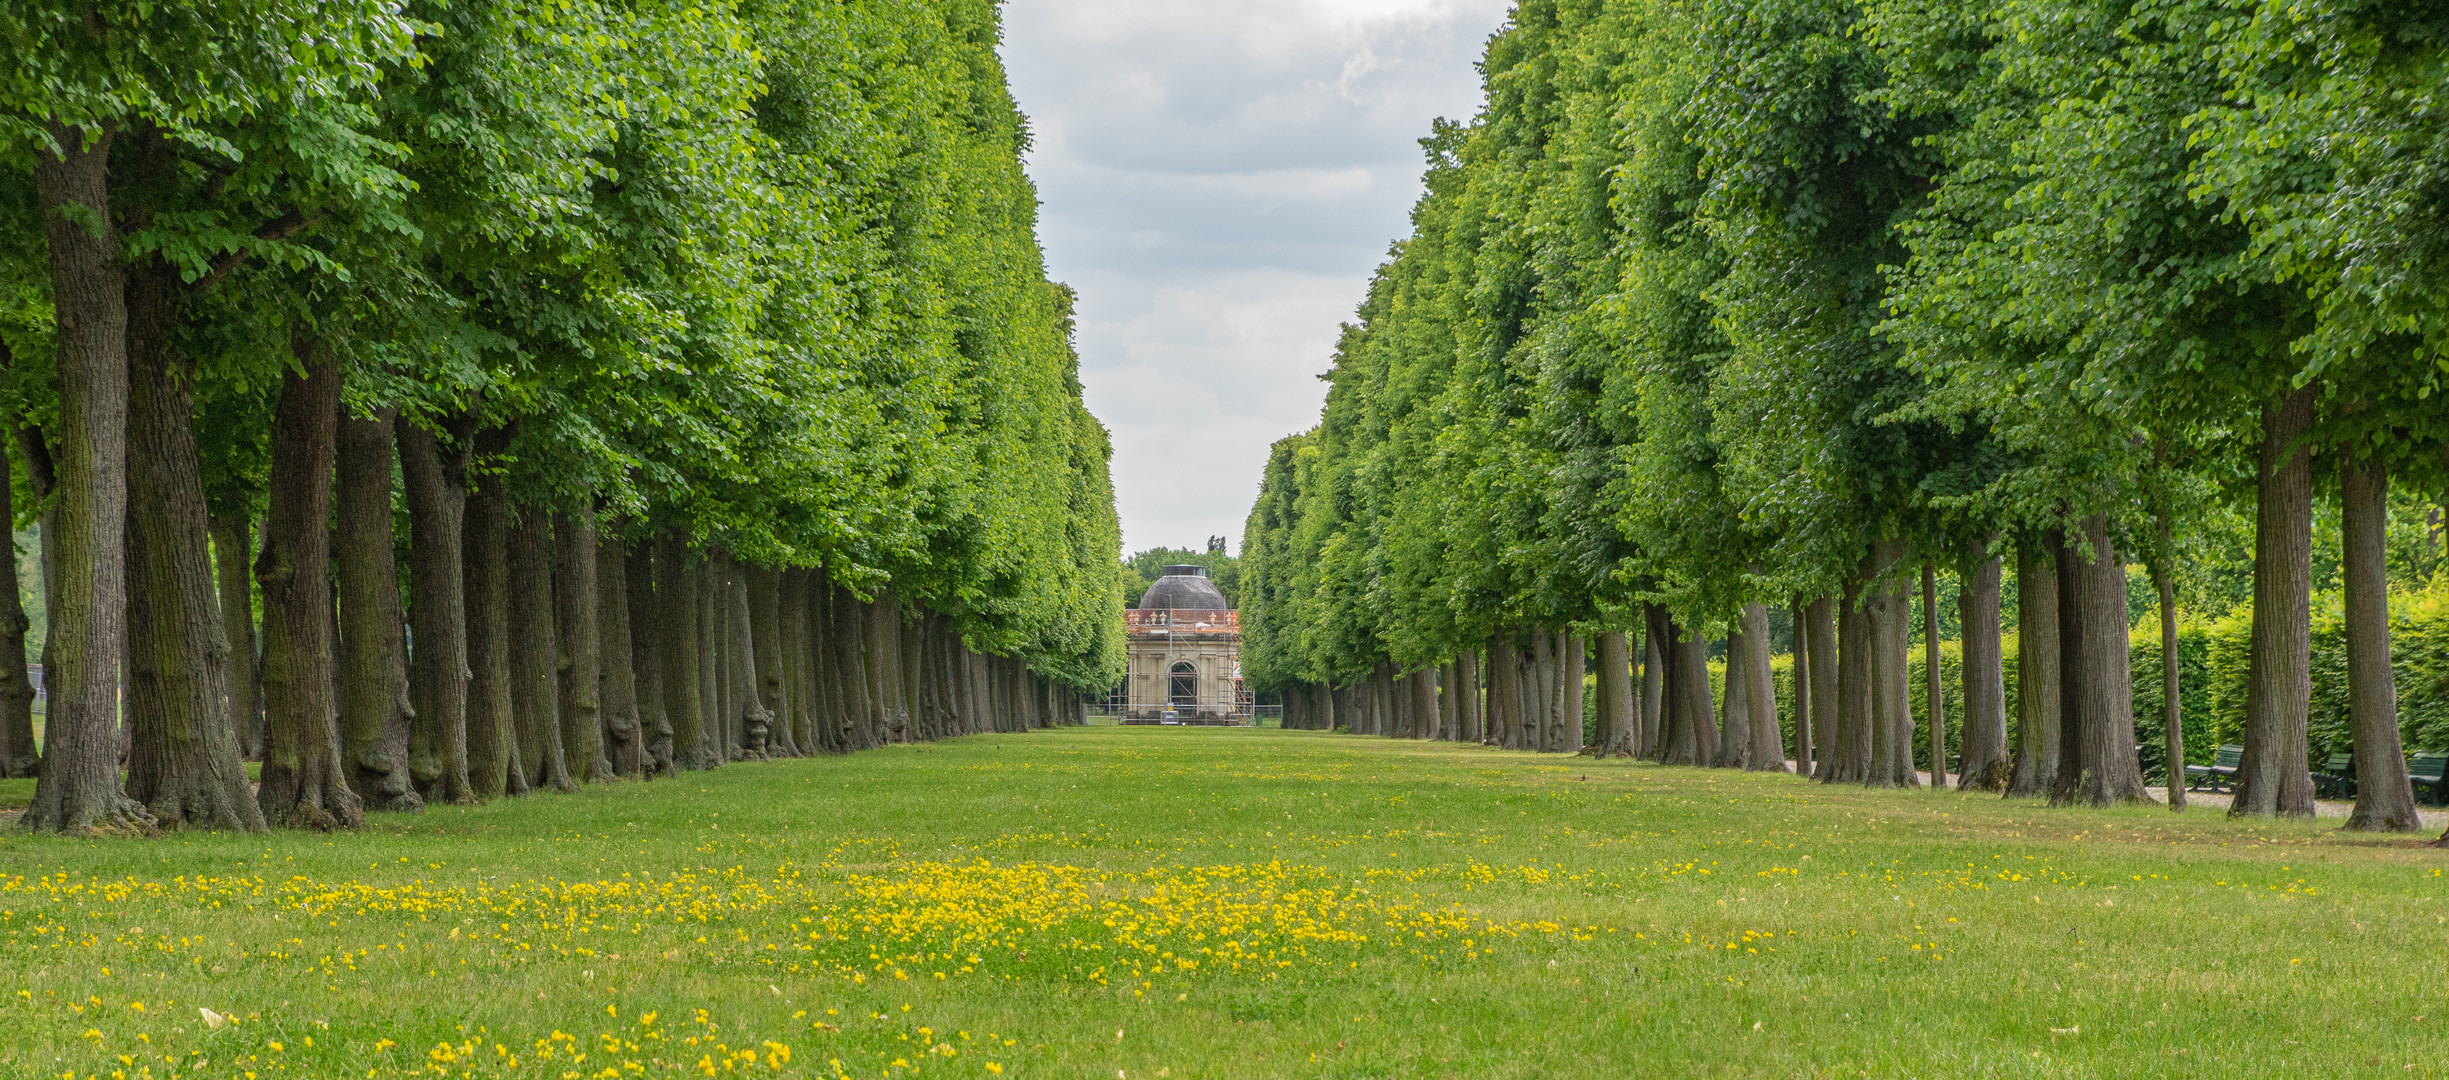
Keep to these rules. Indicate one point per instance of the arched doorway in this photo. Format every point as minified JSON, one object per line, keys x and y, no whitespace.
{"x":1185,"y":690}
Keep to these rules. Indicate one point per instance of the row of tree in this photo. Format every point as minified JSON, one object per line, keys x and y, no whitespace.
{"x":621,"y":386}
{"x":1720,"y":305}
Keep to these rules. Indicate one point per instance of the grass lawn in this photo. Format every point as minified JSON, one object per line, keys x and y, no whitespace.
{"x":1144,"y":902}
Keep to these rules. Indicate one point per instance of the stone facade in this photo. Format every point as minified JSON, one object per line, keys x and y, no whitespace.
{"x":1185,"y":649}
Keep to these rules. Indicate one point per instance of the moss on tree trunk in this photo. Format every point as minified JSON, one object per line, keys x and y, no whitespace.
{"x":375,"y":708}
{"x":304,"y":783}
{"x":2276,"y":776}
{"x":2038,"y":692}
{"x":78,"y":787}
{"x":436,"y":486}
{"x":579,"y":669}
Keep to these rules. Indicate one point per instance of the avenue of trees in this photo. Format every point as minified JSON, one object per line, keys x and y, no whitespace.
{"x":439,"y":402}
{"x":1720,"y":306}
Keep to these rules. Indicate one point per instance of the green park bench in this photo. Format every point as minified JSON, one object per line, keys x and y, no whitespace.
{"x":2424,"y":771}
{"x":2336,"y":778}
{"x":2220,"y":774}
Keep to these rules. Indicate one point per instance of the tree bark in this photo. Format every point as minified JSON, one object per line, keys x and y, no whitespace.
{"x":849,"y":674}
{"x":791,"y":623}
{"x":1734,"y":707}
{"x":2275,"y":776}
{"x":535,"y":652}
{"x":1987,"y":765}
{"x":754,"y":718}
{"x":2102,"y":695}
{"x":1804,"y":658}
{"x":884,"y":676}
{"x":764,"y":595}
{"x":912,"y":664}
{"x":233,"y":537}
{"x":375,"y":709}
{"x":1822,"y":616}
{"x":616,"y":672}
{"x":1890,"y":618}
{"x":1849,"y":746}
{"x":437,"y":491}
{"x":1767,"y":743}
{"x":1539,"y":734}
{"x":2172,"y":711}
{"x":184,"y":764}
{"x":713,"y":671}
{"x":647,"y":660}
{"x":577,"y":618}
{"x":1934,"y":698}
{"x":1619,"y":718}
{"x":1692,"y":666}
{"x":1474,"y":698}
{"x":2038,"y":696}
{"x":1653,"y":680}
{"x":18,"y":757}
{"x":304,"y":783}
{"x":1576,"y":660}
{"x":485,"y":591}
{"x":676,"y":619}
{"x":1504,"y":689}
{"x":77,"y":789}
{"x":2383,"y":800}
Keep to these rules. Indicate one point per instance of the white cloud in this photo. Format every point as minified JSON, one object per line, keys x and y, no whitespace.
{"x":1219,"y":179}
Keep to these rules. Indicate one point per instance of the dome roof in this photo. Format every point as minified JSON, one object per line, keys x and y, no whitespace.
{"x":1183,"y":587}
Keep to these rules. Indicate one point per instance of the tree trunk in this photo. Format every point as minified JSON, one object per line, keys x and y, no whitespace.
{"x":535,"y":652}
{"x":185,"y":766}
{"x":884,"y":677}
{"x":1934,"y":699}
{"x":1653,"y":680}
{"x":1619,"y":718}
{"x":1890,"y":619}
{"x":791,"y":649}
{"x":763,"y":592}
{"x":649,"y":664}
{"x":576,"y":619}
{"x":616,"y":672}
{"x":1540,"y":733}
{"x":2038,"y":721}
{"x":676,"y":621}
{"x":1474,"y":698}
{"x":2383,"y":800}
{"x":1504,"y":689}
{"x":1575,"y":662}
{"x":77,"y":789}
{"x":1849,"y":733}
{"x":1986,"y":762}
{"x":1804,"y":658}
{"x":913,"y":664}
{"x":2110,"y":772}
{"x":493,"y":742}
{"x":1825,"y":696}
{"x":1444,"y":679}
{"x":18,"y":757}
{"x":437,"y":617}
{"x":748,"y":688}
{"x":1734,"y":706}
{"x":1692,"y":666}
{"x":233,"y":536}
{"x":2275,"y":777}
{"x":713,"y":669}
{"x":1767,"y":743}
{"x":304,"y":783}
{"x":375,"y":710}
{"x":847,"y":629}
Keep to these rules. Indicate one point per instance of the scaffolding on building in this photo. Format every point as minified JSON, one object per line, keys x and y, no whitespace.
{"x":1179,"y":629}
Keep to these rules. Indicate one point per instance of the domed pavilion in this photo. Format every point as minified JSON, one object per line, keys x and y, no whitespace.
{"x":1185,"y":645}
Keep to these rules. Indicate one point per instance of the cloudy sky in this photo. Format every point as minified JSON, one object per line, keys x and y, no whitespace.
{"x":1219,"y":178}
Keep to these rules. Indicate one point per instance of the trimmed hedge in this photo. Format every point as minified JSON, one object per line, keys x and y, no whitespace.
{"x":2419,"y":657}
